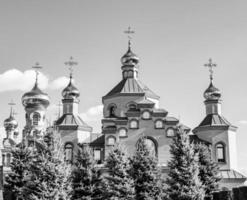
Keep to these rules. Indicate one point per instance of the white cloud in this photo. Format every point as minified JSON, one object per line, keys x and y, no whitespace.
{"x":244,"y":122}
{"x":59,"y":83}
{"x":14,"y":79}
{"x":93,"y":117}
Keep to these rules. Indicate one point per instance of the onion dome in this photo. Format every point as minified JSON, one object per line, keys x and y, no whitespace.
{"x":129,"y":58}
{"x":70,"y":91}
{"x":35,"y":96}
{"x":10,"y":123}
{"x":212,"y":93}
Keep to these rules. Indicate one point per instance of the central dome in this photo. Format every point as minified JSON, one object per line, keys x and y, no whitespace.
{"x":129,"y":58}
{"x":36,"y":95}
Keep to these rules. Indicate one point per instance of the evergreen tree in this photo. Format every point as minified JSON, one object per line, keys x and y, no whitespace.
{"x":49,"y":174}
{"x":183,"y":182}
{"x":145,"y":172}
{"x":17,"y":179}
{"x":208,"y":169}
{"x":86,"y":177}
{"x":119,"y":184}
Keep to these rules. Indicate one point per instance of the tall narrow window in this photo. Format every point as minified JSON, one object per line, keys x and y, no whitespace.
{"x":36,"y":118}
{"x":220,"y":152}
{"x":3,"y":157}
{"x":68,"y":152}
{"x":8,"y":159}
{"x":97,"y":154}
{"x":112,"y":111}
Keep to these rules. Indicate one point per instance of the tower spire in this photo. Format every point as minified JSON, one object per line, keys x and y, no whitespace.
{"x":36,"y":67}
{"x":11,"y":104}
{"x":210,"y":66}
{"x":129,"y":31}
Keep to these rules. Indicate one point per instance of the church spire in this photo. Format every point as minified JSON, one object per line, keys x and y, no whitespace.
{"x":36,"y":67}
{"x":129,"y":60}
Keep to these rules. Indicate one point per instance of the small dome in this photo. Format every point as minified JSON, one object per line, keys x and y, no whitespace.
{"x":212,"y":93}
{"x":36,"y":95}
{"x":129,"y":58}
{"x":10,"y":122}
{"x":70,"y":91}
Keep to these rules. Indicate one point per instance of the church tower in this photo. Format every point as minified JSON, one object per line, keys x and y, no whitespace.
{"x":131,"y":112}
{"x":70,"y":127}
{"x":220,"y":134}
{"x":35,"y":103}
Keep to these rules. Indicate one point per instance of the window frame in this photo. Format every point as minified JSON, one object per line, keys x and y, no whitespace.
{"x":137,"y":124}
{"x":109,"y":137}
{"x":146,"y":111}
{"x":223,"y":148}
{"x":155,"y":124}
{"x":170,"y":128}
{"x":126,"y":131}
{"x":72,"y":151}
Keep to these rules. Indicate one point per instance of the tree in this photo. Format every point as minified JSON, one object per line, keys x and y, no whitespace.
{"x":17,"y":179}
{"x":208,"y":169}
{"x":183,"y":182}
{"x":49,"y":173}
{"x":118,"y":182}
{"x":145,"y":172}
{"x":86,"y":177}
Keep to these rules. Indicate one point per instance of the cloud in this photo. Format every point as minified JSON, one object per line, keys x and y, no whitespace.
{"x":243,"y":122}
{"x":59,"y":83}
{"x":93,"y":117}
{"x":14,"y":79}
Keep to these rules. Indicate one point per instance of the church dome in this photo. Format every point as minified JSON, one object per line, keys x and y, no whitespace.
{"x":35,"y":96}
{"x":70,"y":91}
{"x":129,"y":58}
{"x":10,"y":122}
{"x":212,"y":93}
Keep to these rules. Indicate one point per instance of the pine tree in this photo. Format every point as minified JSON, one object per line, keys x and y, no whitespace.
{"x":119,"y":184}
{"x":17,"y":179}
{"x":86,"y":177}
{"x":183,"y":182}
{"x":208,"y":169}
{"x":146,"y":174}
{"x":49,"y":174}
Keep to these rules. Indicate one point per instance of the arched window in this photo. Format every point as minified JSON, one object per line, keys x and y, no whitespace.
{"x":8,"y":159}
{"x":122,"y":132}
{"x":146,"y":115}
{"x":111,"y":140}
{"x":220,"y":152}
{"x":112,"y":110}
{"x":159,"y":124}
{"x":68,"y":149}
{"x":150,"y":144}
{"x":36,"y":118}
{"x":3,"y":159}
{"x":134,"y":124}
{"x":170,"y":132}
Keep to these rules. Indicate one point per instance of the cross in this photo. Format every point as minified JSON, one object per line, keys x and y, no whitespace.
{"x":210,"y":66}
{"x":11,"y":103}
{"x":36,"y":67}
{"x":71,"y":63}
{"x":129,"y":32}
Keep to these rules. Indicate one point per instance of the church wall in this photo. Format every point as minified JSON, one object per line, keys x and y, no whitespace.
{"x":233,"y":147}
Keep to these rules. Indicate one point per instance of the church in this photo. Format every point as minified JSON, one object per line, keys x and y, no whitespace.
{"x":130,"y":112}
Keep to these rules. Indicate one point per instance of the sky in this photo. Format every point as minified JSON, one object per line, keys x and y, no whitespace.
{"x":173,"y":40}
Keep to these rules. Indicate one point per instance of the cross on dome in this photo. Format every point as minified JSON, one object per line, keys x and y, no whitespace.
{"x":129,"y":31}
{"x":71,"y":63}
{"x":11,"y":104}
{"x":210,"y":66}
{"x":36,"y":67}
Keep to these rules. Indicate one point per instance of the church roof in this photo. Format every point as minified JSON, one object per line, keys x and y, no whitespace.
{"x":71,"y":119}
{"x":214,"y":120}
{"x":231,"y":174}
{"x":131,"y":85}
{"x":98,"y":142}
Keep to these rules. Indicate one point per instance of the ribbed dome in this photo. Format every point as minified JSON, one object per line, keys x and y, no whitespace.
{"x":129,"y":58}
{"x":70,"y":91}
{"x":10,"y":122}
{"x":36,"y":95}
{"x":212,"y":93}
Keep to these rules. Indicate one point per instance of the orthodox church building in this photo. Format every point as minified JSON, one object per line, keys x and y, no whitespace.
{"x":131,"y":112}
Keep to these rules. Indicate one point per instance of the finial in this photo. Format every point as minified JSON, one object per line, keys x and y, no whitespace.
{"x":36,"y":67}
{"x":210,"y":66}
{"x":129,"y":32}
{"x":11,"y":104}
{"x":71,"y":63}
